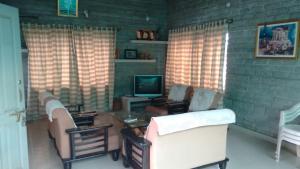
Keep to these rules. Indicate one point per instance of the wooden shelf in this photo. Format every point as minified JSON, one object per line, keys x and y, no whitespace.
{"x":150,"y":42}
{"x":135,"y":61}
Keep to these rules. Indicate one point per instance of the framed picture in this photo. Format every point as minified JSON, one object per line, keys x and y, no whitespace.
{"x":277,"y":40}
{"x":130,"y":54}
{"x":67,"y":8}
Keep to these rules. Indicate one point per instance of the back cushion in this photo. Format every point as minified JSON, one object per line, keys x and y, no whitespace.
{"x":202,"y":99}
{"x":177,"y":92}
{"x":64,"y":121}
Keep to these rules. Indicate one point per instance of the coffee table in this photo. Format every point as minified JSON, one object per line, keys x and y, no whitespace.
{"x":142,"y":118}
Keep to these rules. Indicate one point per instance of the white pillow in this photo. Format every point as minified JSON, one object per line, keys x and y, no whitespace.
{"x":177,"y":92}
{"x":202,"y":99}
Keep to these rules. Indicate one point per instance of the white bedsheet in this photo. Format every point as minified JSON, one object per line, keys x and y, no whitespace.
{"x":180,"y":122}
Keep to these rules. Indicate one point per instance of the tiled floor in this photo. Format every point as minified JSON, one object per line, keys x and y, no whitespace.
{"x":245,"y":152}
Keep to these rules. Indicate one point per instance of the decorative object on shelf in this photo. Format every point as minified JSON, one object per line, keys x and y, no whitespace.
{"x":277,"y":40}
{"x":130,"y":54}
{"x":144,"y":55}
{"x":139,"y":34}
{"x":117,"y":53}
{"x":146,"y":35}
{"x":67,"y":8}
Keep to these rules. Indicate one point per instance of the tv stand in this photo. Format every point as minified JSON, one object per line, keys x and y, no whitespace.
{"x":127,"y":102}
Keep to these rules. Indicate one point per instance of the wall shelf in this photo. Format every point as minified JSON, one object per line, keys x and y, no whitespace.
{"x":135,"y":61}
{"x":150,"y":42}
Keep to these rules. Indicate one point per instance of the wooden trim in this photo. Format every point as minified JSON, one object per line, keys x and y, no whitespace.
{"x":135,"y":60}
{"x":297,"y":41}
{"x":149,"y":42}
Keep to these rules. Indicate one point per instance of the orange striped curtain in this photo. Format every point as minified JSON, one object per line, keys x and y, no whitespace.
{"x":56,"y":64}
{"x":196,"y":56}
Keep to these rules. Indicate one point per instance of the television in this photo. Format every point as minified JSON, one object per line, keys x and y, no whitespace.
{"x":148,"y":85}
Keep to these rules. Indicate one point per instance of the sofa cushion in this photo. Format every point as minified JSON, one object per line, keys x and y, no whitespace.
{"x":177,"y":93}
{"x":202,"y":99}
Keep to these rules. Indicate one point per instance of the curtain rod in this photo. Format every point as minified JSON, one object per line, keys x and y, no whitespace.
{"x":226,"y":20}
{"x":73,"y":25}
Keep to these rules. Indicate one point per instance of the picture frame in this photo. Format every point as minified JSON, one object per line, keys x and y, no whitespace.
{"x":130,"y":54}
{"x":277,"y":40}
{"x":68,"y":8}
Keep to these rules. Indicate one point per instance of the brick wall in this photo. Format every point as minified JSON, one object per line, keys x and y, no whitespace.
{"x":257,"y":89}
{"x":128,"y":16}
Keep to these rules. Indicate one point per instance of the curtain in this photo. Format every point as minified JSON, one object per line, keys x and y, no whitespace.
{"x":196,"y":56}
{"x":56,"y":64}
{"x":95,"y":49}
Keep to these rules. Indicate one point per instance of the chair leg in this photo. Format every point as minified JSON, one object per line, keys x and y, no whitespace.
{"x":125,"y":162}
{"x":115,"y":155}
{"x":277,"y":154}
{"x":298,"y":150}
{"x":223,"y":164}
{"x":67,"y":165}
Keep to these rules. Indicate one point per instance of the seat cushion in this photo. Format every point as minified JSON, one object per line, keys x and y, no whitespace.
{"x":157,"y":111}
{"x":202,"y":100}
{"x":177,"y":93}
{"x":292,"y":129}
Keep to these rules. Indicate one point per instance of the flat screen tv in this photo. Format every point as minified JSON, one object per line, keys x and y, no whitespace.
{"x":148,"y":85}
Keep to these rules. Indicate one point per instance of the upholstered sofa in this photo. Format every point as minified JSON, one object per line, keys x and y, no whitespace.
{"x":182,"y":141}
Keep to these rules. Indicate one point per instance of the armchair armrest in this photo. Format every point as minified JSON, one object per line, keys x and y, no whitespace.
{"x":137,"y":141}
{"x":158,"y":101}
{"x":84,"y":118}
{"x":74,"y":108}
{"x":137,"y":150}
{"x":177,"y":107}
{"x":87,"y":113}
{"x":87,"y":129}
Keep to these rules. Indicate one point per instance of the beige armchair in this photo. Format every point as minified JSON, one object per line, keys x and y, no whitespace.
{"x":184,"y":141}
{"x":75,"y":143}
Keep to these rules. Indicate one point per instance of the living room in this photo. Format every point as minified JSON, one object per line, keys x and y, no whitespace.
{"x":139,"y":38}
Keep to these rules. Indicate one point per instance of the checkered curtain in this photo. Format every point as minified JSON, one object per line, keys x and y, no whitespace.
{"x":196,"y":56}
{"x":56,"y":64}
{"x":94,"y":48}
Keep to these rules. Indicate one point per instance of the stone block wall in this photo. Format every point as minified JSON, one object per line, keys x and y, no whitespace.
{"x":128,"y":16}
{"x":256,"y":89}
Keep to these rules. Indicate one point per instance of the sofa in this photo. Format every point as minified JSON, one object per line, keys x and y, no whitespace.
{"x":182,"y":141}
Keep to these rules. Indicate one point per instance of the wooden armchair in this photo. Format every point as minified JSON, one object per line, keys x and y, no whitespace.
{"x":75,"y":143}
{"x":177,"y":101}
